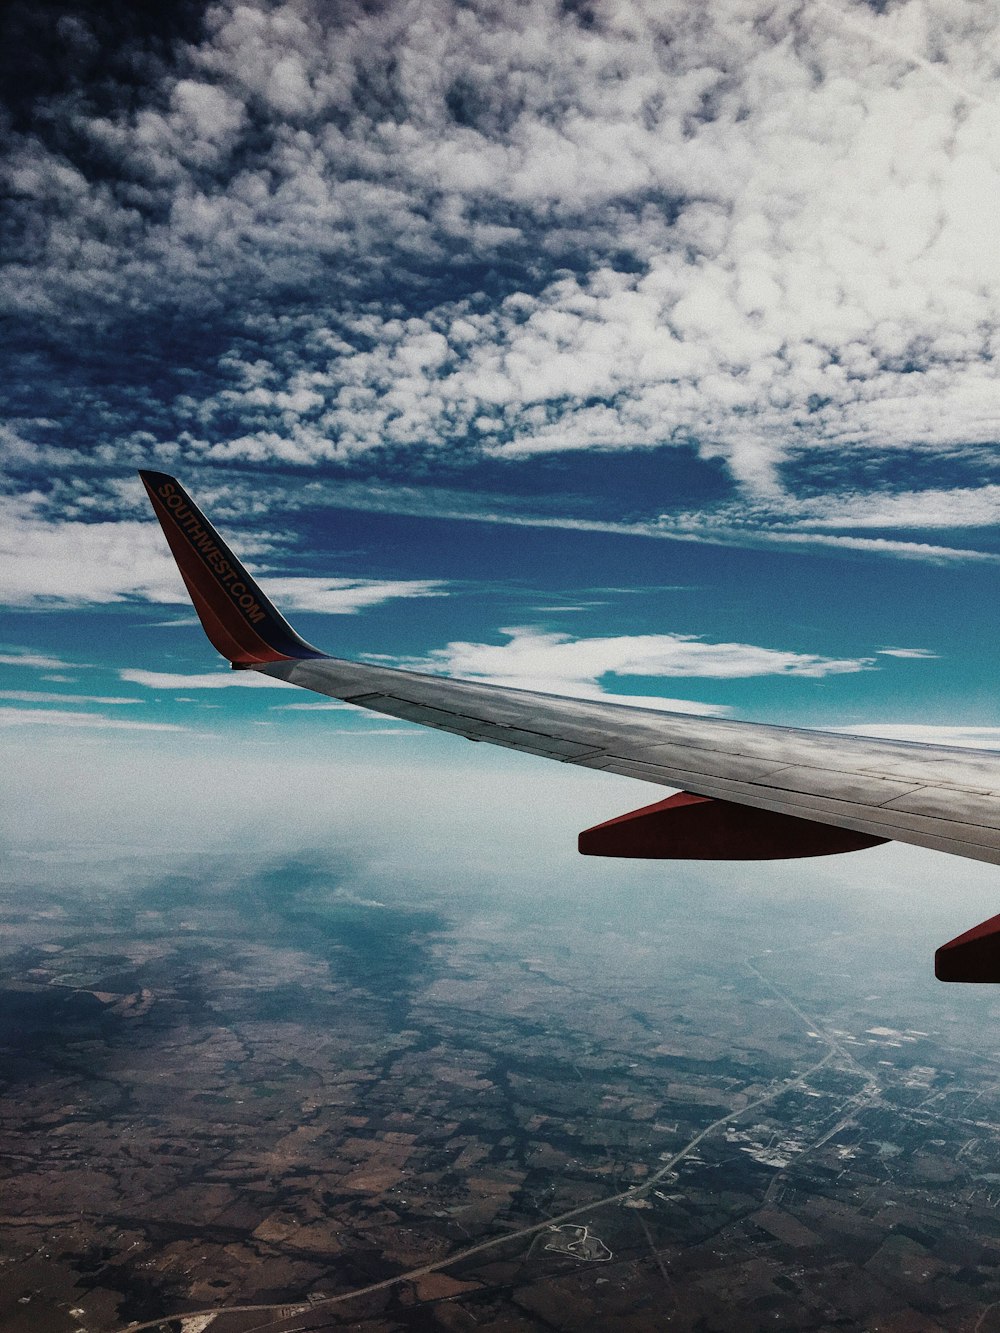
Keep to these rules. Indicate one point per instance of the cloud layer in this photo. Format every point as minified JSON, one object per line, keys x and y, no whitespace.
{"x":64,"y":717}
{"x":767,"y":229}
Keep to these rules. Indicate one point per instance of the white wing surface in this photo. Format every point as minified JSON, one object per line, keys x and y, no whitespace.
{"x":944,"y":798}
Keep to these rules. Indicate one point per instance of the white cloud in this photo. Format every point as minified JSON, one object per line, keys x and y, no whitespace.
{"x":24,"y":657}
{"x":905,"y":24}
{"x":346,"y":596}
{"x":976,"y":738}
{"x":552,"y":663}
{"x":371,"y":730}
{"x":905,"y":550}
{"x":365,"y":720}
{"x":318,"y":707}
{"x":61,"y":717}
{"x":785,"y":516}
{"x":53,"y":563}
{"x":558,"y":664}
{"x":906,"y":652}
{"x":50,"y":697}
{"x":782,"y":220}
{"x":746,"y":524}
{"x":531,"y":652}
{"x":75,"y":563}
{"x":209,"y":680}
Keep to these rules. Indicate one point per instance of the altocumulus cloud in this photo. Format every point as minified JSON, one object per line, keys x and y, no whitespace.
{"x":767,"y":230}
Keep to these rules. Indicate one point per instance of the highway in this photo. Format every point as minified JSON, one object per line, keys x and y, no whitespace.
{"x":285,"y":1313}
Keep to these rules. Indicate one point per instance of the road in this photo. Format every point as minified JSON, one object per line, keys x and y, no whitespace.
{"x":285,"y":1314}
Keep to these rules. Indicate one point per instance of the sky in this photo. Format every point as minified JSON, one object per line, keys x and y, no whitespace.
{"x":632,"y":350}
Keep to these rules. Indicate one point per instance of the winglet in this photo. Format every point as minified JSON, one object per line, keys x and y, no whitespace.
{"x":239,"y":620}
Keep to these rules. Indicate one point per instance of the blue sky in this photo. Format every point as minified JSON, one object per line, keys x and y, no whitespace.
{"x":639,"y":350}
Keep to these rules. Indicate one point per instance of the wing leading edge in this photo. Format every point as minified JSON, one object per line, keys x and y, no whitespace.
{"x":816,"y":792}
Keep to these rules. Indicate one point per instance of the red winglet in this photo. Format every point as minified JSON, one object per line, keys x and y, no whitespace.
{"x":240,"y":621}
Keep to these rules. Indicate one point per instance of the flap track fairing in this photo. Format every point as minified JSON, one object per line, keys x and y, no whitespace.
{"x":686,"y":827}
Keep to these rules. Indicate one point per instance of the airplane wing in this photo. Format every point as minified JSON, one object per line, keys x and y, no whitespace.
{"x":748,"y":791}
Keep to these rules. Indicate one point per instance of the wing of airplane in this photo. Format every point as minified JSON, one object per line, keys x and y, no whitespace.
{"x":748,"y":791}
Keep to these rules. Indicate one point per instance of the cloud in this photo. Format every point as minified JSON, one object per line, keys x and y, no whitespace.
{"x":738,"y":523}
{"x":329,"y":705}
{"x":25,"y":657}
{"x":61,"y":717}
{"x":783,"y":520}
{"x":347,"y":596}
{"x":844,"y":18}
{"x":370,"y":730}
{"x":904,"y":550}
{"x":956,"y":507}
{"x":66,"y":564}
{"x":976,"y":738}
{"x":803,"y":522}
{"x":209,"y":680}
{"x":533,"y":652}
{"x":365,"y":720}
{"x":906,"y":652}
{"x":47,"y":697}
{"x":764,"y":231}
{"x":553,"y":663}
{"x":76,"y":563}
